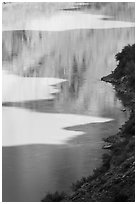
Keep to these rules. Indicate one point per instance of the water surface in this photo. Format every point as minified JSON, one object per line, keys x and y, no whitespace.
{"x":56,"y":111}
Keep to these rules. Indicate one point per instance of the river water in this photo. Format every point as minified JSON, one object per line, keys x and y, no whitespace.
{"x":56,"y":111}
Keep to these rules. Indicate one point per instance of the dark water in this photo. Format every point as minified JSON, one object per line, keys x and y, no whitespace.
{"x":82,"y":57}
{"x":31,"y":171}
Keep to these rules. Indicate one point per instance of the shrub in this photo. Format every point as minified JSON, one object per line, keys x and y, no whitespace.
{"x":54,"y":197}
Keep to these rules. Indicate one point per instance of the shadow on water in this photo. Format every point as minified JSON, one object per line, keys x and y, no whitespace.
{"x":62,"y":164}
{"x":34,"y":105}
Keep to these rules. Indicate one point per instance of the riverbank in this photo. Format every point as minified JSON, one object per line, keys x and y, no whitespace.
{"x":114,"y":181}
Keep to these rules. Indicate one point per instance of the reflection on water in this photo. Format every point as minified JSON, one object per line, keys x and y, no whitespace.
{"x":65,"y":68}
{"x":17,"y":88}
{"x":71,"y":21}
{"x":30,"y":128}
{"x":31,"y":171}
{"x":80,"y":56}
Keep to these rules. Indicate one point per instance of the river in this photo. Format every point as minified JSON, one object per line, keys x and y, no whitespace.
{"x":56,"y":111}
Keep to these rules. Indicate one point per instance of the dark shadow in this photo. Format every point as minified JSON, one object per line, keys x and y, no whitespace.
{"x":42,"y":105}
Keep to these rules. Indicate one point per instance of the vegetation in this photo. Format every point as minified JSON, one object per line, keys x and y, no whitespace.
{"x":55,"y":197}
{"x":114,"y":181}
{"x":123,"y":77}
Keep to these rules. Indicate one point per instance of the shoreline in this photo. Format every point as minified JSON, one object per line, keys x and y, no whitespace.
{"x":114,"y":181}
